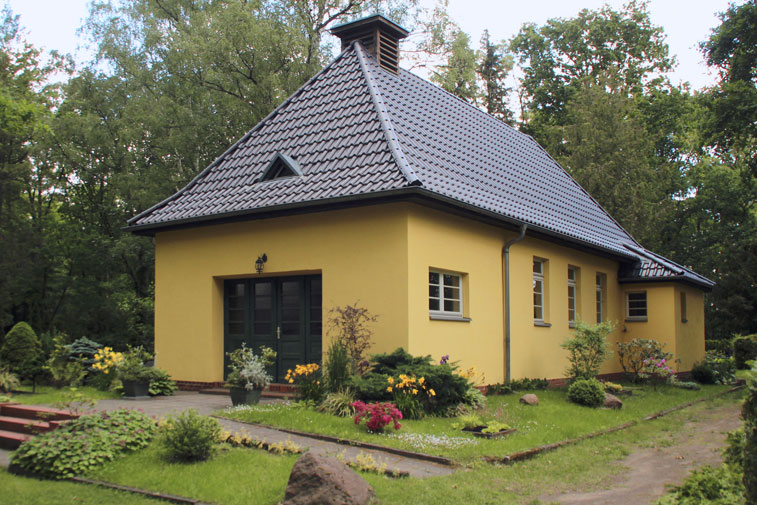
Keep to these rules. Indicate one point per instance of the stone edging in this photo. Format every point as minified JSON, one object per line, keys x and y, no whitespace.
{"x":354,"y":443}
{"x":181,"y":500}
{"x":520,"y":456}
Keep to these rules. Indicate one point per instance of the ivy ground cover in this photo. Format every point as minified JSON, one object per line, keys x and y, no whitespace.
{"x":553,"y":420}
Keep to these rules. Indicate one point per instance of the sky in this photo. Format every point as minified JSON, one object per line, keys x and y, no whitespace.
{"x":53,"y":24}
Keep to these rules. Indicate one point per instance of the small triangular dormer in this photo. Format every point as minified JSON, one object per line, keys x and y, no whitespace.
{"x":281,"y":166}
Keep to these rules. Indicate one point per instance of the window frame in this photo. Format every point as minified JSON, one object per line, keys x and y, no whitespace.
{"x":600,"y":285}
{"x":541,"y":277}
{"x":644,"y":317}
{"x":441,"y":313}
{"x":573,"y":283}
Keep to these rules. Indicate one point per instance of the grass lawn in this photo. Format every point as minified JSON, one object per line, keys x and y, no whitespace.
{"x":254,"y":477}
{"x":554,"y":419}
{"x":49,"y":394}
{"x":16,"y":490}
{"x":235,"y":476}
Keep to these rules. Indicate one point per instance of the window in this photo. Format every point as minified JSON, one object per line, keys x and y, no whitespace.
{"x":445,"y":293}
{"x":636,"y":306}
{"x":572,"y":294}
{"x":539,"y":302}
{"x":684,"y":318}
{"x":600,"y":284}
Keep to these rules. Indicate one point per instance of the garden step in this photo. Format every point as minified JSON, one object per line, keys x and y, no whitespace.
{"x":214,"y":391}
{"x":277,"y":394}
{"x":35,"y":412}
{"x":11,"y":440}
{"x":23,"y":425}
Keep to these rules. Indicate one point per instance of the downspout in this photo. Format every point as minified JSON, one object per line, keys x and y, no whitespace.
{"x":506,"y":282}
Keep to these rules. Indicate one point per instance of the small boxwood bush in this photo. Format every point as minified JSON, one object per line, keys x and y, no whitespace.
{"x":85,"y":443}
{"x":22,"y":352}
{"x":744,"y":349}
{"x":190,"y":436}
{"x":587,"y":392}
{"x":714,"y":369}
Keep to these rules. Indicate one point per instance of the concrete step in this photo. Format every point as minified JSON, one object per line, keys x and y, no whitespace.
{"x":285,"y":392}
{"x":11,"y":440}
{"x":35,"y":412}
{"x":214,"y":391}
{"x":22,"y":425}
{"x":277,"y":394}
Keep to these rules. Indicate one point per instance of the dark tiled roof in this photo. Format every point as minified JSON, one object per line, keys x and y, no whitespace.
{"x":653,"y":267}
{"x":356,"y":130}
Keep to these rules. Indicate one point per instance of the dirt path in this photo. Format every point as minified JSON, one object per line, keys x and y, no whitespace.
{"x":650,"y":470}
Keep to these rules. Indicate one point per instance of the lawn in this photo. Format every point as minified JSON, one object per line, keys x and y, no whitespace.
{"x":51,"y":395}
{"x":26,"y":491}
{"x":254,"y":477}
{"x":553,"y":420}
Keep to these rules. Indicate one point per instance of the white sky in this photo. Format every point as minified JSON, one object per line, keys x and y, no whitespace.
{"x":52,"y":24}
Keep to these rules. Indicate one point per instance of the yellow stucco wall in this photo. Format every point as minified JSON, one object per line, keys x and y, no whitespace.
{"x":361,"y":254}
{"x":381,"y":256}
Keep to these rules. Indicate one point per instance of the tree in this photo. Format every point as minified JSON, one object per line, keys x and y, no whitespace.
{"x":560,"y":56}
{"x":458,"y":74}
{"x":493,"y":68}
{"x":22,"y":352}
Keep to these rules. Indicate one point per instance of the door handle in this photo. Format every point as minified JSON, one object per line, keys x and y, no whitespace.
{"x":278,"y":333}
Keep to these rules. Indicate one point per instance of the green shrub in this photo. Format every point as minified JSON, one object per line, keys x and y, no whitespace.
{"x":337,"y":366}
{"x":338,"y":403}
{"x":733,"y":454}
{"x":587,"y":392}
{"x":529,"y":384}
{"x":749,"y":414}
{"x":450,"y":389}
{"x":475,"y":398}
{"x":22,"y":352}
{"x":714,"y":369}
{"x":722,"y":346}
{"x":190,"y":436}
{"x":311,"y":387}
{"x":708,"y":485}
{"x":468,"y":421}
{"x":499,"y":389}
{"x":744,"y":350}
{"x":83,"y":350}
{"x":634,"y":355}
{"x":587,"y":349}
{"x":85,"y":443}
{"x":161,"y":383}
{"x":8,"y":381}
{"x":63,"y":371}
{"x":693,"y":386}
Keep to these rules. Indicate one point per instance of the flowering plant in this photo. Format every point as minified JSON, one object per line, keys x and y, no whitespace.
{"x":308,"y":378}
{"x":379,"y":414}
{"x":248,"y":369}
{"x":656,"y":370}
{"x":106,"y":359}
{"x":405,"y":391}
{"x":131,"y":366}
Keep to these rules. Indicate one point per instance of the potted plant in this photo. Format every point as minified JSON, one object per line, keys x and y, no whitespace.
{"x":134,"y":373}
{"x":247,"y":376}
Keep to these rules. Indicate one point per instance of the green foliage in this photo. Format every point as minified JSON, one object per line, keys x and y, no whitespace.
{"x":714,"y":369}
{"x":8,"y":381}
{"x":744,"y":350}
{"x":693,"y":386}
{"x":494,"y":66}
{"x":733,"y":454}
{"x":22,"y":352}
{"x":732,"y":47}
{"x":458,"y":74}
{"x":587,"y":349}
{"x":85,"y":443}
{"x":588,"y":392}
{"x":247,"y":369}
{"x":749,"y":414}
{"x":349,"y":325}
{"x":190,"y":436}
{"x":450,"y":389}
{"x":62,"y":370}
{"x":495,"y":427}
{"x":499,"y":389}
{"x":311,"y":388}
{"x":468,"y":421}
{"x":475,"y":398}
{"x":708,"y":485}
{"x":132,"y":366}
{"x":337,"y":366}
{"x":524,"y":384}
{"x":161,"y":383}
{"x":75,"y":402}
{"x":83,"y":350}
{"x":338,"y":403}
{"x":634,"y":354}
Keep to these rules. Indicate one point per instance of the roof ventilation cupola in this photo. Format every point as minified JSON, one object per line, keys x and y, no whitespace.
{"x":379,"y":36}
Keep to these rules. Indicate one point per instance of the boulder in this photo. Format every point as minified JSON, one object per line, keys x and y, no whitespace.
{"x":529,"y":399}
{"x":320,"y":480}
{"x":612,"y":401}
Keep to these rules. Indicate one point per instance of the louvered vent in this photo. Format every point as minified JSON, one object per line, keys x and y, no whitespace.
{"x":379,"y":36}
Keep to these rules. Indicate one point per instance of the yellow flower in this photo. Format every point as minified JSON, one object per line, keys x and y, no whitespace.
{"x":432,"y":392}
{"x":389,"y":389}
{"x":390,"y":380}
{"x":415,"y":391}
{"x":422,"y":380}
{"x":291,"y":381}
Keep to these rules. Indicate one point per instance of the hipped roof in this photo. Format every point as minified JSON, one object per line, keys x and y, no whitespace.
{"x":358,"y":132}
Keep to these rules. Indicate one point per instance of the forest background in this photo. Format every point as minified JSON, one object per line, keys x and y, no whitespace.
{"x":174,"y":82}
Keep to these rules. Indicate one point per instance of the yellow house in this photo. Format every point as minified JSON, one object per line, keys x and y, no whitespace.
{"x":370,"y":184}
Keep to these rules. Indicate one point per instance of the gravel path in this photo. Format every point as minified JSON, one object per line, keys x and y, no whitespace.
{"x":652,"y":470}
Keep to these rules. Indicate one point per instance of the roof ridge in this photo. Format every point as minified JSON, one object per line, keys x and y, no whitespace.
{"x":244,"y":137}
{"x":384,"y":119}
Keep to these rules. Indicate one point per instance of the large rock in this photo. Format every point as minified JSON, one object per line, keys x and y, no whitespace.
{"x":612,"y":401}
{"x":319,"y":480}
{"x":529,"y":399}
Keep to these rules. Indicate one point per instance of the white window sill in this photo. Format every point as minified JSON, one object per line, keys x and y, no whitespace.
{"x":571,"y":324}
{"x":542,"y":324}
{"x":449,"y":317}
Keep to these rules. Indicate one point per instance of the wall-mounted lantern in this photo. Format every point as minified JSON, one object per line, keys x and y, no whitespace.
{"x":260,"y":262}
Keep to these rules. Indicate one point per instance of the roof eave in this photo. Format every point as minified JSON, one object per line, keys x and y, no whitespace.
{"x":684,"y":279}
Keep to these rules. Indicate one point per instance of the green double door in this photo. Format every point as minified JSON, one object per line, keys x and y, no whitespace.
{"x":283,"y":313}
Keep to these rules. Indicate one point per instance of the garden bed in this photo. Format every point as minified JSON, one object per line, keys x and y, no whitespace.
{"x":553,"y":420}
